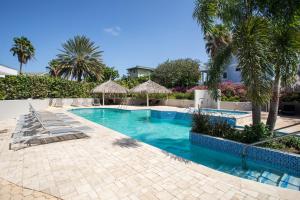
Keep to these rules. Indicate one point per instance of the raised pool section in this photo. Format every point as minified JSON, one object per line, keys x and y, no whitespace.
{"x":169,"y":131}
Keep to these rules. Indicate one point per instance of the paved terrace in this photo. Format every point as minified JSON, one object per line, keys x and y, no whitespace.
{"x":109,"y":165}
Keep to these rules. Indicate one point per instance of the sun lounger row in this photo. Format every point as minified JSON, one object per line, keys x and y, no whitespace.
{"x":77,"y":102}
{"x":43,"y":127}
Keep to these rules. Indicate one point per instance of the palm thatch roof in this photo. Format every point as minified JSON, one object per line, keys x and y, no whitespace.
{"x":150,"y":87}
{"x":110,"y":87}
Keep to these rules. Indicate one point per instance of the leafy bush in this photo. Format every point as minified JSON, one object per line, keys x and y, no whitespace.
{"x":290,"y":143}
{"x":290,"y":97}
{"x":211,"y":125}
{"x":177,"y":73}
{"x":24,"y":87}
{"x":180,"y":95}
{"x":233,"y":91}
{"x":255,"y":133}
{"x":131,"y":82}
{"x":229,"y":91}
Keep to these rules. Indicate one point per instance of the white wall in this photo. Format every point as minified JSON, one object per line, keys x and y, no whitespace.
{"x":15,"y":108}
{"x":182,"y":103}
{"x":7,"y":71}
{"x":244,"y":106}
{"x":203,"y":99}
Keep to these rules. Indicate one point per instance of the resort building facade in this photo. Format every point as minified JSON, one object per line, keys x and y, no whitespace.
{"x":139,"y":71}
{"x":4,"y":70}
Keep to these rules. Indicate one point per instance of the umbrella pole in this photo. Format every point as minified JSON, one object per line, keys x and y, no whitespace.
{"x":147,"y":100}
{"x":103,"y":98}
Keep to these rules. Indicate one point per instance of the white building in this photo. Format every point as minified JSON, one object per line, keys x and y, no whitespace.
{"x":139,"y":71}
{"x":232,"y":73}
{"x":4,"y":70}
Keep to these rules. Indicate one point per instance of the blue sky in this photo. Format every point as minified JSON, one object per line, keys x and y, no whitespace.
{"x":131,"y":32}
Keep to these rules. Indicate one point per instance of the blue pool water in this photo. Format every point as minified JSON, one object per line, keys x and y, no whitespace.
{"x":225,"y":112}
{"x":172,"y":135}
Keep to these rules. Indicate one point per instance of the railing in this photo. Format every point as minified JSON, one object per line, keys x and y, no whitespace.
{"x":267,"y":140}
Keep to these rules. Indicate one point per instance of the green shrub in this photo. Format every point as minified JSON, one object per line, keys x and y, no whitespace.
{"x":180,"y":95}
{"x":255,"y":133}
{"x":38,"y":87}
{"x":289,"y":143}
{"x":214,"y":126}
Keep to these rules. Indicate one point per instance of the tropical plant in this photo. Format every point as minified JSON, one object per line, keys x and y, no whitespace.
{"x":177,"y":73}
{"x":217,"y":38}
{"x":54,"y":68}
{"x":284,"y":18}
{"x":23,"y":49}
{"x":249,"y":44}
{"x":80,"y":58}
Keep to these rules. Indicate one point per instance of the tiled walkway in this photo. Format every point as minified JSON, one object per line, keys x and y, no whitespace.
{"x":12,"y":191}
{"x":102,"y":167}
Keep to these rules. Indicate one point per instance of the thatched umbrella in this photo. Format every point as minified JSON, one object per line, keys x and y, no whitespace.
{"x":110,"y":87}
{"x":150,"y":87}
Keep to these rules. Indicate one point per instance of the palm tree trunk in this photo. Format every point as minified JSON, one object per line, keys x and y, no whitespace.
{"x":256,"y":114}
{"x":21,"y":65}
{"x":274,"y":104}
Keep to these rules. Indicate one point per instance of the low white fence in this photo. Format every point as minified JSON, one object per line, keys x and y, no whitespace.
{"x":182,"y":103}
{"x":14,"y":108}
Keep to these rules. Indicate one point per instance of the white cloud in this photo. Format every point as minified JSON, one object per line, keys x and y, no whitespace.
{"x":115,"y":31}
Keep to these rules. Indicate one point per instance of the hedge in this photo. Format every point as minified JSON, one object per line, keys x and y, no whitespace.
{"x":39,"y":87}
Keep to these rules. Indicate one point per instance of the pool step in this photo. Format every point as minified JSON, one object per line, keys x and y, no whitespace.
{"x":291,"y":182}
{"x":282,"y":180}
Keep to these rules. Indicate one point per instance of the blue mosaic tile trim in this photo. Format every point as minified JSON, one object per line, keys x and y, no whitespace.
{"x":277,"y":159}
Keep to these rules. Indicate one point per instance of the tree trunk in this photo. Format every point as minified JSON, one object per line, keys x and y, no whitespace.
{"x":21,"y":65}
{"x":274,"y":103}
{"x":256,"y":114}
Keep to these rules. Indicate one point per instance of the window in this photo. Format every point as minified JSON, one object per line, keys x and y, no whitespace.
{"x":237,"y":69}
{"x":225,"y":75}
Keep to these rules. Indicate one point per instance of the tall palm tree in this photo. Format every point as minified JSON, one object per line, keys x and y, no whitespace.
{"x":23,"y":49}
{"x":285,"y":47}
{"x":54,"y":68}
{"x":217,"y":38}
{"x":249,"y":44}
{"x":80,"y":58}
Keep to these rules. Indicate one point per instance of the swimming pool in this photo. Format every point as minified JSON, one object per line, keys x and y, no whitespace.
{"x":172,"y":135}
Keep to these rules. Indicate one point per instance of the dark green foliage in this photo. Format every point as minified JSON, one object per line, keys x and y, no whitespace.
{"x":181,"y":95}
{"x":107,"y":73}
{"x":214,"y":126}
{"x":290,"y":143}
{"x":131,"y":82}
{"x":24,"y":87}
{"x":255,"y":133}
{"x":175,"y":73}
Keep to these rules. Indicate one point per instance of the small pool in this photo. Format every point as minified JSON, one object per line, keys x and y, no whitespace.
{"x":224,"y":112}
{"x":172,"y":135}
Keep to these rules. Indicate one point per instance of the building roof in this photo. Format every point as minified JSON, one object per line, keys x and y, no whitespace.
{"x":141,"y":67}
{"x":110,"y":87}
{"x":5,"y":70}
{"x":150,"y":87}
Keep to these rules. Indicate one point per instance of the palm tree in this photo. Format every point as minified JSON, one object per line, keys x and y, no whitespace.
{"x":23,"y":49}
{"x":80,"y":58}
{"x":54,"y":68}
{"x":249,"y":44}
{"x":217,"y":38}
{"x":285,"y":48}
